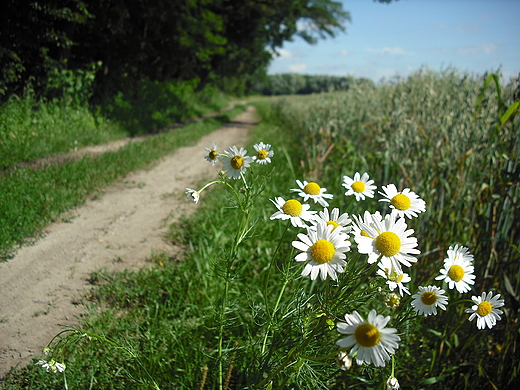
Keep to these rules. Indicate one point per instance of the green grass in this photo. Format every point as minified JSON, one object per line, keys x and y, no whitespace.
{"x":31,"y":198}
{"x":418,"y":133}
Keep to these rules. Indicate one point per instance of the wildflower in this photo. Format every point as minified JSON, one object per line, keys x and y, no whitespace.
{"x":392,"y":300}
{"x":333,"y":218}
{"x":236,"y":162}
{"x":427,"y":300}
{"x":405,"y":203}
{"x":192,"y":195}
{"x":459,"y":252}
{"x":371,"y":340}
{"x":394,"y":278}
{"x":392,"y":383}
{"x":390,"y":239}
{"x":360,"y":187}
{"x":312,"y":190}
{"x":457,"y":272}
{"x":343,"y":361}
{"x":213,"y":155}
{"x":358,"y":220}
{"x":486,"y":310}
{"x":263,"y":153}
{"x":325,"y":249}
{"x":293,"y":210}
{"x":52,"y":365}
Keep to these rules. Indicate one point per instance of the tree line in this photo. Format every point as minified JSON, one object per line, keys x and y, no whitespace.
{"x":117,"y":43}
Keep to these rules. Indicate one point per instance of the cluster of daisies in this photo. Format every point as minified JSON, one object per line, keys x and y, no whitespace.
{"x":235,"y":163}
{"x":386,"y":240}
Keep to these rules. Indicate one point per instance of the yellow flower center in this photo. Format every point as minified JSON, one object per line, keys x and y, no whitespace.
{"x":334,"y":224}
{"x":367,"y":335}
{"x":392,"y":300}
{"x":213,"y":154}
{"x":293,"y":208}
{"x":395,"y":277}
{"x":456,"y":273}
{"x":429,"y":298}
{"x":484,"y":308}
{"x":237,"y":162}
{"x":322,"y":251}
{"x":312,"y":189}
{"x":261,"y":154}
{"x":401,"y":202}
{"x":388,"y":244}
{"x":358,"y":186}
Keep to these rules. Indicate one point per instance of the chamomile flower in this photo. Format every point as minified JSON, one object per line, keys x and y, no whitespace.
{"x":459,"y":252}
{"x":388,"y":239}
{"x":192,"y":195}
{"x":405,"y":203}
{"x":341,"y":222}
{"x":458,"y":273}
{"x":51,"y":365}
{"x":392,"y":383}
{"x":343,"y":361}
{"x":236,"y":162}
{"x":486,"y":310}
{"x":212,"y":155}
{"x":359,"y":186}
{"x":293,"y":210}
{"x":428,"y":299}
{"x":324,"y":249}
{"x":312,"y":190}
{"x":263,"y":153}
{"x":366,"y":218}
{"x":370,"y":339}
{"x":394,"y":279}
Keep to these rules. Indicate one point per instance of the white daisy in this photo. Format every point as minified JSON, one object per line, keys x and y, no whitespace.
{"x":236,"y":162}
{"x":359,"y":186}
{"x":212,"y":155}
{"x":371,"y":340}
{"x":324,"y":249}
{"x":405,"y":203}
{"x":427,"y":300}
{"x":192,"y":195}
{"x":459,"y":252}
{"x":458,"y":273}
{"x":312,"y":190}
{"x":343,"y":361}
{"x":394,"y":279}
{"x":486,"y":310}
{"x":341,"y":222}
{"x":293,"y":210}
{"x":392,"y":383}
{"x":390,"y":239}
{"x":357,"y":227}
{"x":52,"y":365}
{"x":263,"y":153}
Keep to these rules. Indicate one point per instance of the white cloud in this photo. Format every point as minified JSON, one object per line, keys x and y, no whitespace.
{"x":345,"y":53}
{"x":297,"y":67}
{"x":484,"y":48}
{"x":283,"y":54}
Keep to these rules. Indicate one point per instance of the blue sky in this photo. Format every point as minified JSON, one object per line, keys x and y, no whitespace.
{"x":384,"y":40}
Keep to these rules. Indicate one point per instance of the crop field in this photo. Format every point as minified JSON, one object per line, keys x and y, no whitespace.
{"x":269,"y":296}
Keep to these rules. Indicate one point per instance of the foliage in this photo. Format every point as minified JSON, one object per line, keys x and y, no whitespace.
{"x":160,"y":41}
{"x":292,"y":84}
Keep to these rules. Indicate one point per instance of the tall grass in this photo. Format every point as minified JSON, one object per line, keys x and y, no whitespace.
{"x":425,"y":133}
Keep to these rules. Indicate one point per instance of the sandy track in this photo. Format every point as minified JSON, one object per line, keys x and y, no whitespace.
{"x":41,"y":286}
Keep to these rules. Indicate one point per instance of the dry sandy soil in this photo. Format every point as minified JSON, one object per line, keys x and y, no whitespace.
{"x":42,"y":286}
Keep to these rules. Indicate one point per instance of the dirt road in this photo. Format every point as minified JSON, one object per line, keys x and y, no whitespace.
{"x":41,"y":287}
